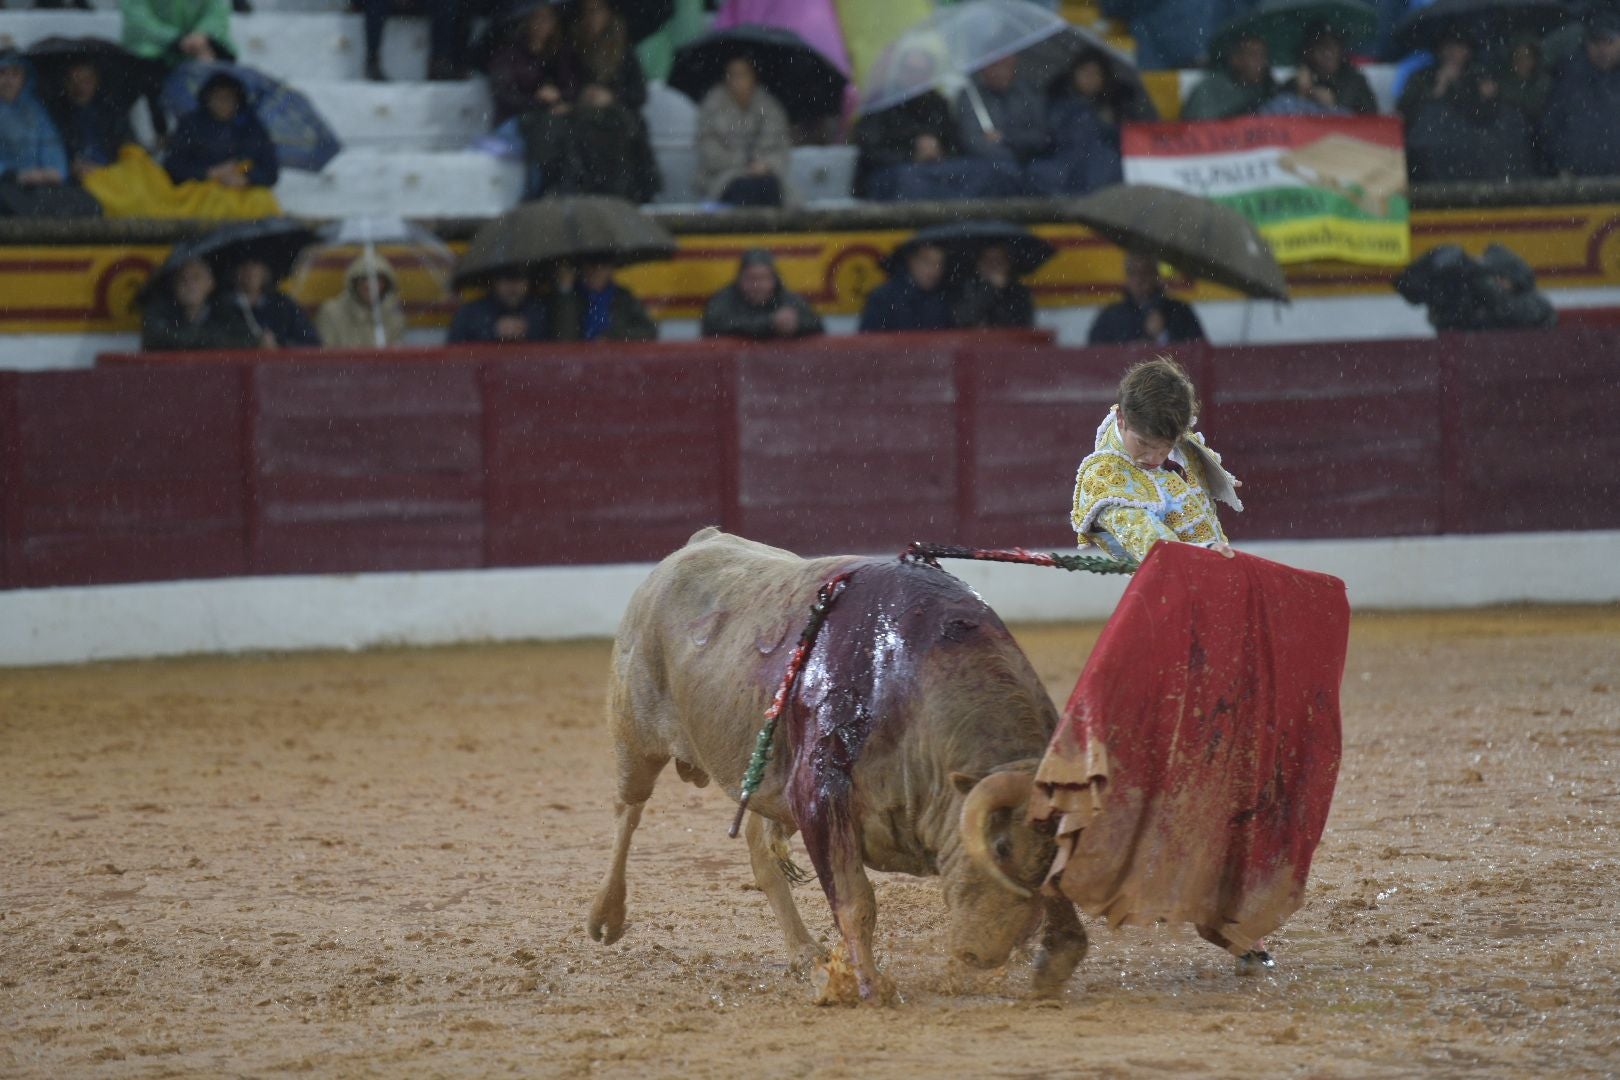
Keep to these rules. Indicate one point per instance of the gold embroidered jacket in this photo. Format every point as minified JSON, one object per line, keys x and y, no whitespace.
{"x":1123,"y":508}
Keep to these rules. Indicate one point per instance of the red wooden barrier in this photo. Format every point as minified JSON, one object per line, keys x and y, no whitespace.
{"x":1330,"y":440}
{"x":366,"y":467}
{"x":123,"y":476}
{"x":603,"y":456}
{"x":566,"y":454}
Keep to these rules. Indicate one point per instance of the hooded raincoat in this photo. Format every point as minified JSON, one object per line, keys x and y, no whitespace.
{"x":729,"y":314}
{"x":28,"y":138}
{"x":347,"y":321}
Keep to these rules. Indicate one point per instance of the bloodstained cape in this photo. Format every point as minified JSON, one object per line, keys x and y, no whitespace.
{"x":1194,"y":765}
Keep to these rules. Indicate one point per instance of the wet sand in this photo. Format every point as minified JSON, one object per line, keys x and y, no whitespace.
{"x":380,"y":865}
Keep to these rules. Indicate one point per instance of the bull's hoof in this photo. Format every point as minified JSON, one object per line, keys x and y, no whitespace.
{"x":1255,"y":962}
{"x":607,"y":918}
{"x":1054,"y":964}
{"x":834,"y":980}
{"x":804,"y":959}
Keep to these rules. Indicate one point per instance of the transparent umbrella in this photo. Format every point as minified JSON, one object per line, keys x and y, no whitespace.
{"x":943,"y":50}
{"x":422,"y":263}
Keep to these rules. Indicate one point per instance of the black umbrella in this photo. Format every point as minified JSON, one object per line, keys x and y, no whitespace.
{"x":1198,"y":236}
{"x":275,"y":242}
{"x":1282,"y":25}
{"x":964,"y":240}
{"x":577,"y":228}
{"x":124,"y":76}
{"x":1483,"y":22}
{"x":806,"y":83}
{"x":642,"y":19}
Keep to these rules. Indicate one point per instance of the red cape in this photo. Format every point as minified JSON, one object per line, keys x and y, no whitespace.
{"x":1195,"y":762}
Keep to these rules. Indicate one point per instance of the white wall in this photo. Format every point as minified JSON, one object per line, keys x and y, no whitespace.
{"x":66,"y":625}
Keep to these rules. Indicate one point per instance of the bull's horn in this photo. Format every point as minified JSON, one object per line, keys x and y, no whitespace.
{"x":998,"y":791}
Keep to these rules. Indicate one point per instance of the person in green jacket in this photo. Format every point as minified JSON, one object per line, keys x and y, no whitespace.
{"x":1240,"y":87}
{"x":178,"y":30}
{"x":588,"y":305}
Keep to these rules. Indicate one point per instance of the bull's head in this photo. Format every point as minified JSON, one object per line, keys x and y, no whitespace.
{"x":992,"y":877}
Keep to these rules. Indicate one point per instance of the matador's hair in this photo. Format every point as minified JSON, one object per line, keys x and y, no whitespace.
{"x":1157,"y":399}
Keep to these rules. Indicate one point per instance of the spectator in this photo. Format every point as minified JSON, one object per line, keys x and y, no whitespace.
{"x":1495,"y":292}
{"x":1171,"y":33}
{"x":1242,"y":85}
{"x":274,"y":317}
{"x":447,"y":37}
{"x":1457,"y":126}
{"x":991,"y":296}
{"x":1581,"y":128}
{"x":914,"y":297}
{"x":31,"y":151}
{"x":1524,"y":80}
{"x":509,"y":312}
{"x":1114,"y":101}
{"x":1085,"y":109}
{"x":533,"y":68}
{"x":1145,"y":312}
{"x":743,"y":142}
{"x":368,"y":312}
{"x":606,"y":149}
{"x":1326,"y":77}
{"x":185,"y":314}
{"x":222,"y":140}
{"x":910,"y":151}
{"x":757,"y":305}
{"x":178,"y":30}
{"x":590,"y":306}
{"x":1017,"y":133}
{"x":93,"y":127}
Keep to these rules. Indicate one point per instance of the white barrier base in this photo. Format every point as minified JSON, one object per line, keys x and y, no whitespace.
{"x":357,"y":611}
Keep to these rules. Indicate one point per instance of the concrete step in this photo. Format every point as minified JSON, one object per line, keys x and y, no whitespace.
{"x":402,"y":115}
{"x":417,"y":184}
{"x":301,"y":46}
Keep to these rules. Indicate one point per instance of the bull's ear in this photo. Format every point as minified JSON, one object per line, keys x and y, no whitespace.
{"x":964,"y":783}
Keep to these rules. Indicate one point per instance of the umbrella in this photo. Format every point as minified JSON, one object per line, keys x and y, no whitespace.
{"x":303,"y":139}
{"x":946,"y":48}
{"x":1485,"y":22}
{"x":578,"y":228}
{"x":124,"y":76}
{"x":421,"y":261}
{"x":1282,"y":25}
{"x":964,"y":240}
{"x":806,"y":83}
{"x":276,"y":242}
{"x":1198,"y":236}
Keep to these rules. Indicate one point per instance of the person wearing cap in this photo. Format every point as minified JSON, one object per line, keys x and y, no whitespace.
{"x":758,"y":305}
{"x":1326,"y":77}
{"x":1581,"y":127}
{"x":222,"y":140}
{"x":914,"y":297}
{"x":1240,"y":85}
{"x":31,"y":151}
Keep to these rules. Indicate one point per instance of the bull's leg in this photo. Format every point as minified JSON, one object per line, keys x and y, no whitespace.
{"x":767,"y":851}
{"x":1063,"y":946}
{"x":837,"y":859}
{"x":636,"y":778}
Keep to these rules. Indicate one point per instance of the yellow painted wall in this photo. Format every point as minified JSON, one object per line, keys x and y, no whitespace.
{"x":91,"y":289}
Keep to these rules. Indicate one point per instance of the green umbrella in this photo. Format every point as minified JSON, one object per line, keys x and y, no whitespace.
{"x":1198,"y":236}
{"x":1283,"y":25}
{"x":575,"y":228}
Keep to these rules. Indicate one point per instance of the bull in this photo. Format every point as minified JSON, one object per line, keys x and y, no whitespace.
{"x":909,"y":744}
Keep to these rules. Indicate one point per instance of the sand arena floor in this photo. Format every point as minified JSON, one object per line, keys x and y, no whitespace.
{"x":380,"y":865}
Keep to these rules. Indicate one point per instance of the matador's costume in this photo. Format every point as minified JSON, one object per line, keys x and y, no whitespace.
{"x":1123,"y":508}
